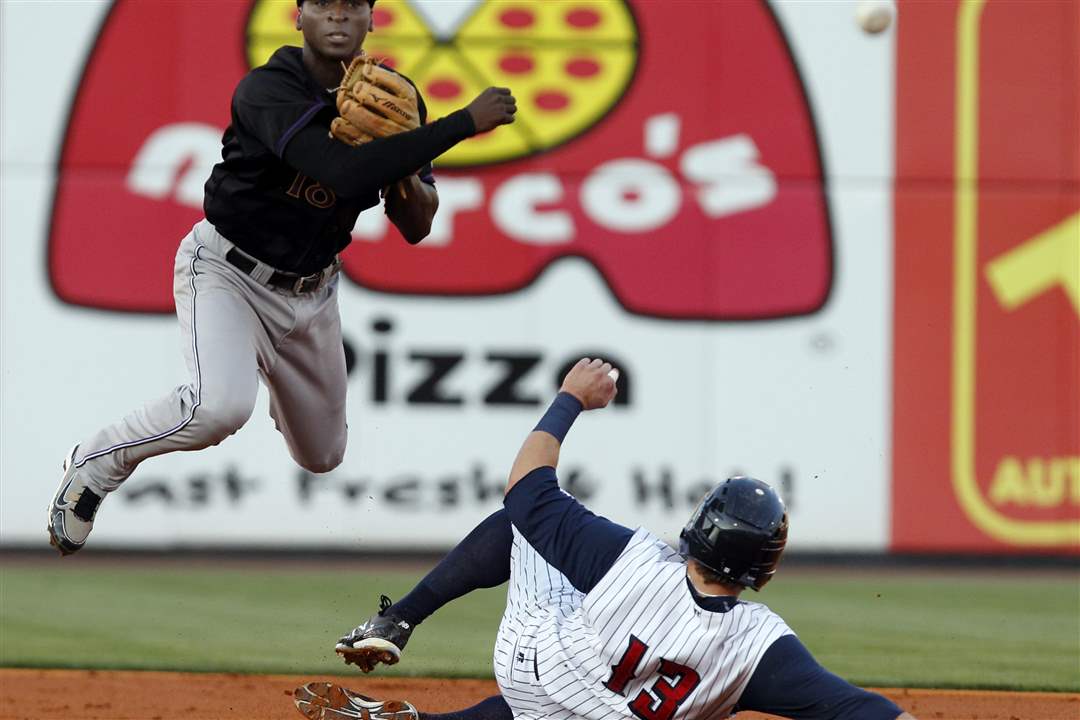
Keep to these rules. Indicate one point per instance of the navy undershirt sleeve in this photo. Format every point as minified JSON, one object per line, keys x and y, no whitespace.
{"x":789,"y":682}
{"x":581,"y":545}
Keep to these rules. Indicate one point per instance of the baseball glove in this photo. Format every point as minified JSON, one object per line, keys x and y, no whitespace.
{"x":373,"y":102}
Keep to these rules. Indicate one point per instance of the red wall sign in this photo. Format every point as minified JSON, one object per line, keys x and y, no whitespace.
{"x":987,"y":343}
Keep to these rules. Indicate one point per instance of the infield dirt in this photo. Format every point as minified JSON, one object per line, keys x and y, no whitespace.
{"x":27,"y":694}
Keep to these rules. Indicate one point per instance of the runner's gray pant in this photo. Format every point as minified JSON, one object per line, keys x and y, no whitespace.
{"x":236,"y":330}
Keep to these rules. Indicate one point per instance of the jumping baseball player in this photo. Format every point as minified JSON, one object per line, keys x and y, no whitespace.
{"x":309,"y":147}
{"x":603,"y":621}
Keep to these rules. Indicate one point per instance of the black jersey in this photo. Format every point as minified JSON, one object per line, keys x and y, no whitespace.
{"x":256,"y":199}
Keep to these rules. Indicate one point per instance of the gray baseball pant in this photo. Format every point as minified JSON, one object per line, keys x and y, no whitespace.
{"x":236,"y":330}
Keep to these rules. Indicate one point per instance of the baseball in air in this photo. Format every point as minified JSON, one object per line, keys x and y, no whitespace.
{"x":874,"y":16}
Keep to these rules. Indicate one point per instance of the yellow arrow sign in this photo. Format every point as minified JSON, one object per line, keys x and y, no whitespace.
{"x":1050,"y":258}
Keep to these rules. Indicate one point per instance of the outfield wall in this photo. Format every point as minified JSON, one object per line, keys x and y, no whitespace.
{"x":768,"y":218}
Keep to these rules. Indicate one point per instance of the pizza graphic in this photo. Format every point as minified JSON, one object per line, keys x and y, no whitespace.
{"x":568,"y":63}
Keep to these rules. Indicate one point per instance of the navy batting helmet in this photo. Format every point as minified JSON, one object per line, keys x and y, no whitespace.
{"x":738,"y":531}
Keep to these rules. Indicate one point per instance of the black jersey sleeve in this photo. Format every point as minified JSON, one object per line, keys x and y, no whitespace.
{"x":789,"y":682}
{"x":271,"y":105}
{"x":352,"y":171}
{"x":426,"y":173}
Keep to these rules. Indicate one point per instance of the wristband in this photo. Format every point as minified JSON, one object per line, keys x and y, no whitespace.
{"x":560,"y":416}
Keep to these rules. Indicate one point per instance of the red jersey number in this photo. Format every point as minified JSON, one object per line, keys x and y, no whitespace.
{"x":670,"y":690}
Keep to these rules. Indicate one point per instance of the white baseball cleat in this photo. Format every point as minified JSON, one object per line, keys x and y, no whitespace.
{"x":71,"y":514}
{"x":327,"y":701}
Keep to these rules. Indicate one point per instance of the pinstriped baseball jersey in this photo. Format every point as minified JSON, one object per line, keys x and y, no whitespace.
{"x":638,"y":644}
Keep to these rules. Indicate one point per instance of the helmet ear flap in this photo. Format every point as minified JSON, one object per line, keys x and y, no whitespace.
{"x":738,"y":531}
{"x":770,"y":554}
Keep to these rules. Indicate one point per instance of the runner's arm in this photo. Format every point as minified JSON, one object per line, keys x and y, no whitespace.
{"x":789,"y":682}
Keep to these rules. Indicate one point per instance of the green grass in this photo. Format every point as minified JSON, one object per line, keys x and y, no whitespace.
{"x":282,"y":621}
{"x":1010,"y":632}
{"x":875,"y":628}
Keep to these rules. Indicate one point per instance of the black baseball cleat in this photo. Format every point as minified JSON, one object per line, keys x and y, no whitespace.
{"x":326,"y":701}
{"x":72,"y":511}
{"x":379,"y":640}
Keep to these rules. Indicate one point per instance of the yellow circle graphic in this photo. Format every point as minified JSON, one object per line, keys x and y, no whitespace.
{"x":567,"y":62}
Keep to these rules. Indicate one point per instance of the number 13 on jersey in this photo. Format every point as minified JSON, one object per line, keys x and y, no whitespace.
{"x":670,"y":690}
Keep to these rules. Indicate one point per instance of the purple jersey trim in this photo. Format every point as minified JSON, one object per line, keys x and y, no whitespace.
{"x":295,"y":127}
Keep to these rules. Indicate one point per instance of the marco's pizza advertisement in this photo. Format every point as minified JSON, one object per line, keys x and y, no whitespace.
{"x":626,"y":151}
{"x":842,"y":262}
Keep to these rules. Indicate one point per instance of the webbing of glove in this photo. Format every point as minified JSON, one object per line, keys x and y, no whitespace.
{"x":373,"y":102}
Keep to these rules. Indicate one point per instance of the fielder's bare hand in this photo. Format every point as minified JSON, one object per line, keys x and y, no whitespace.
{"x":592,"y":382}
{"x":493,"y":107}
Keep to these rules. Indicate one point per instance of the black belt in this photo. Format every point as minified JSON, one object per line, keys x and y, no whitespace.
{"x":292,"y":282}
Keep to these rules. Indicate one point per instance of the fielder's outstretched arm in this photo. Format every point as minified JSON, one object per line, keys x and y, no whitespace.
{"x":354,"y":171}
{"x":589,"y":385}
